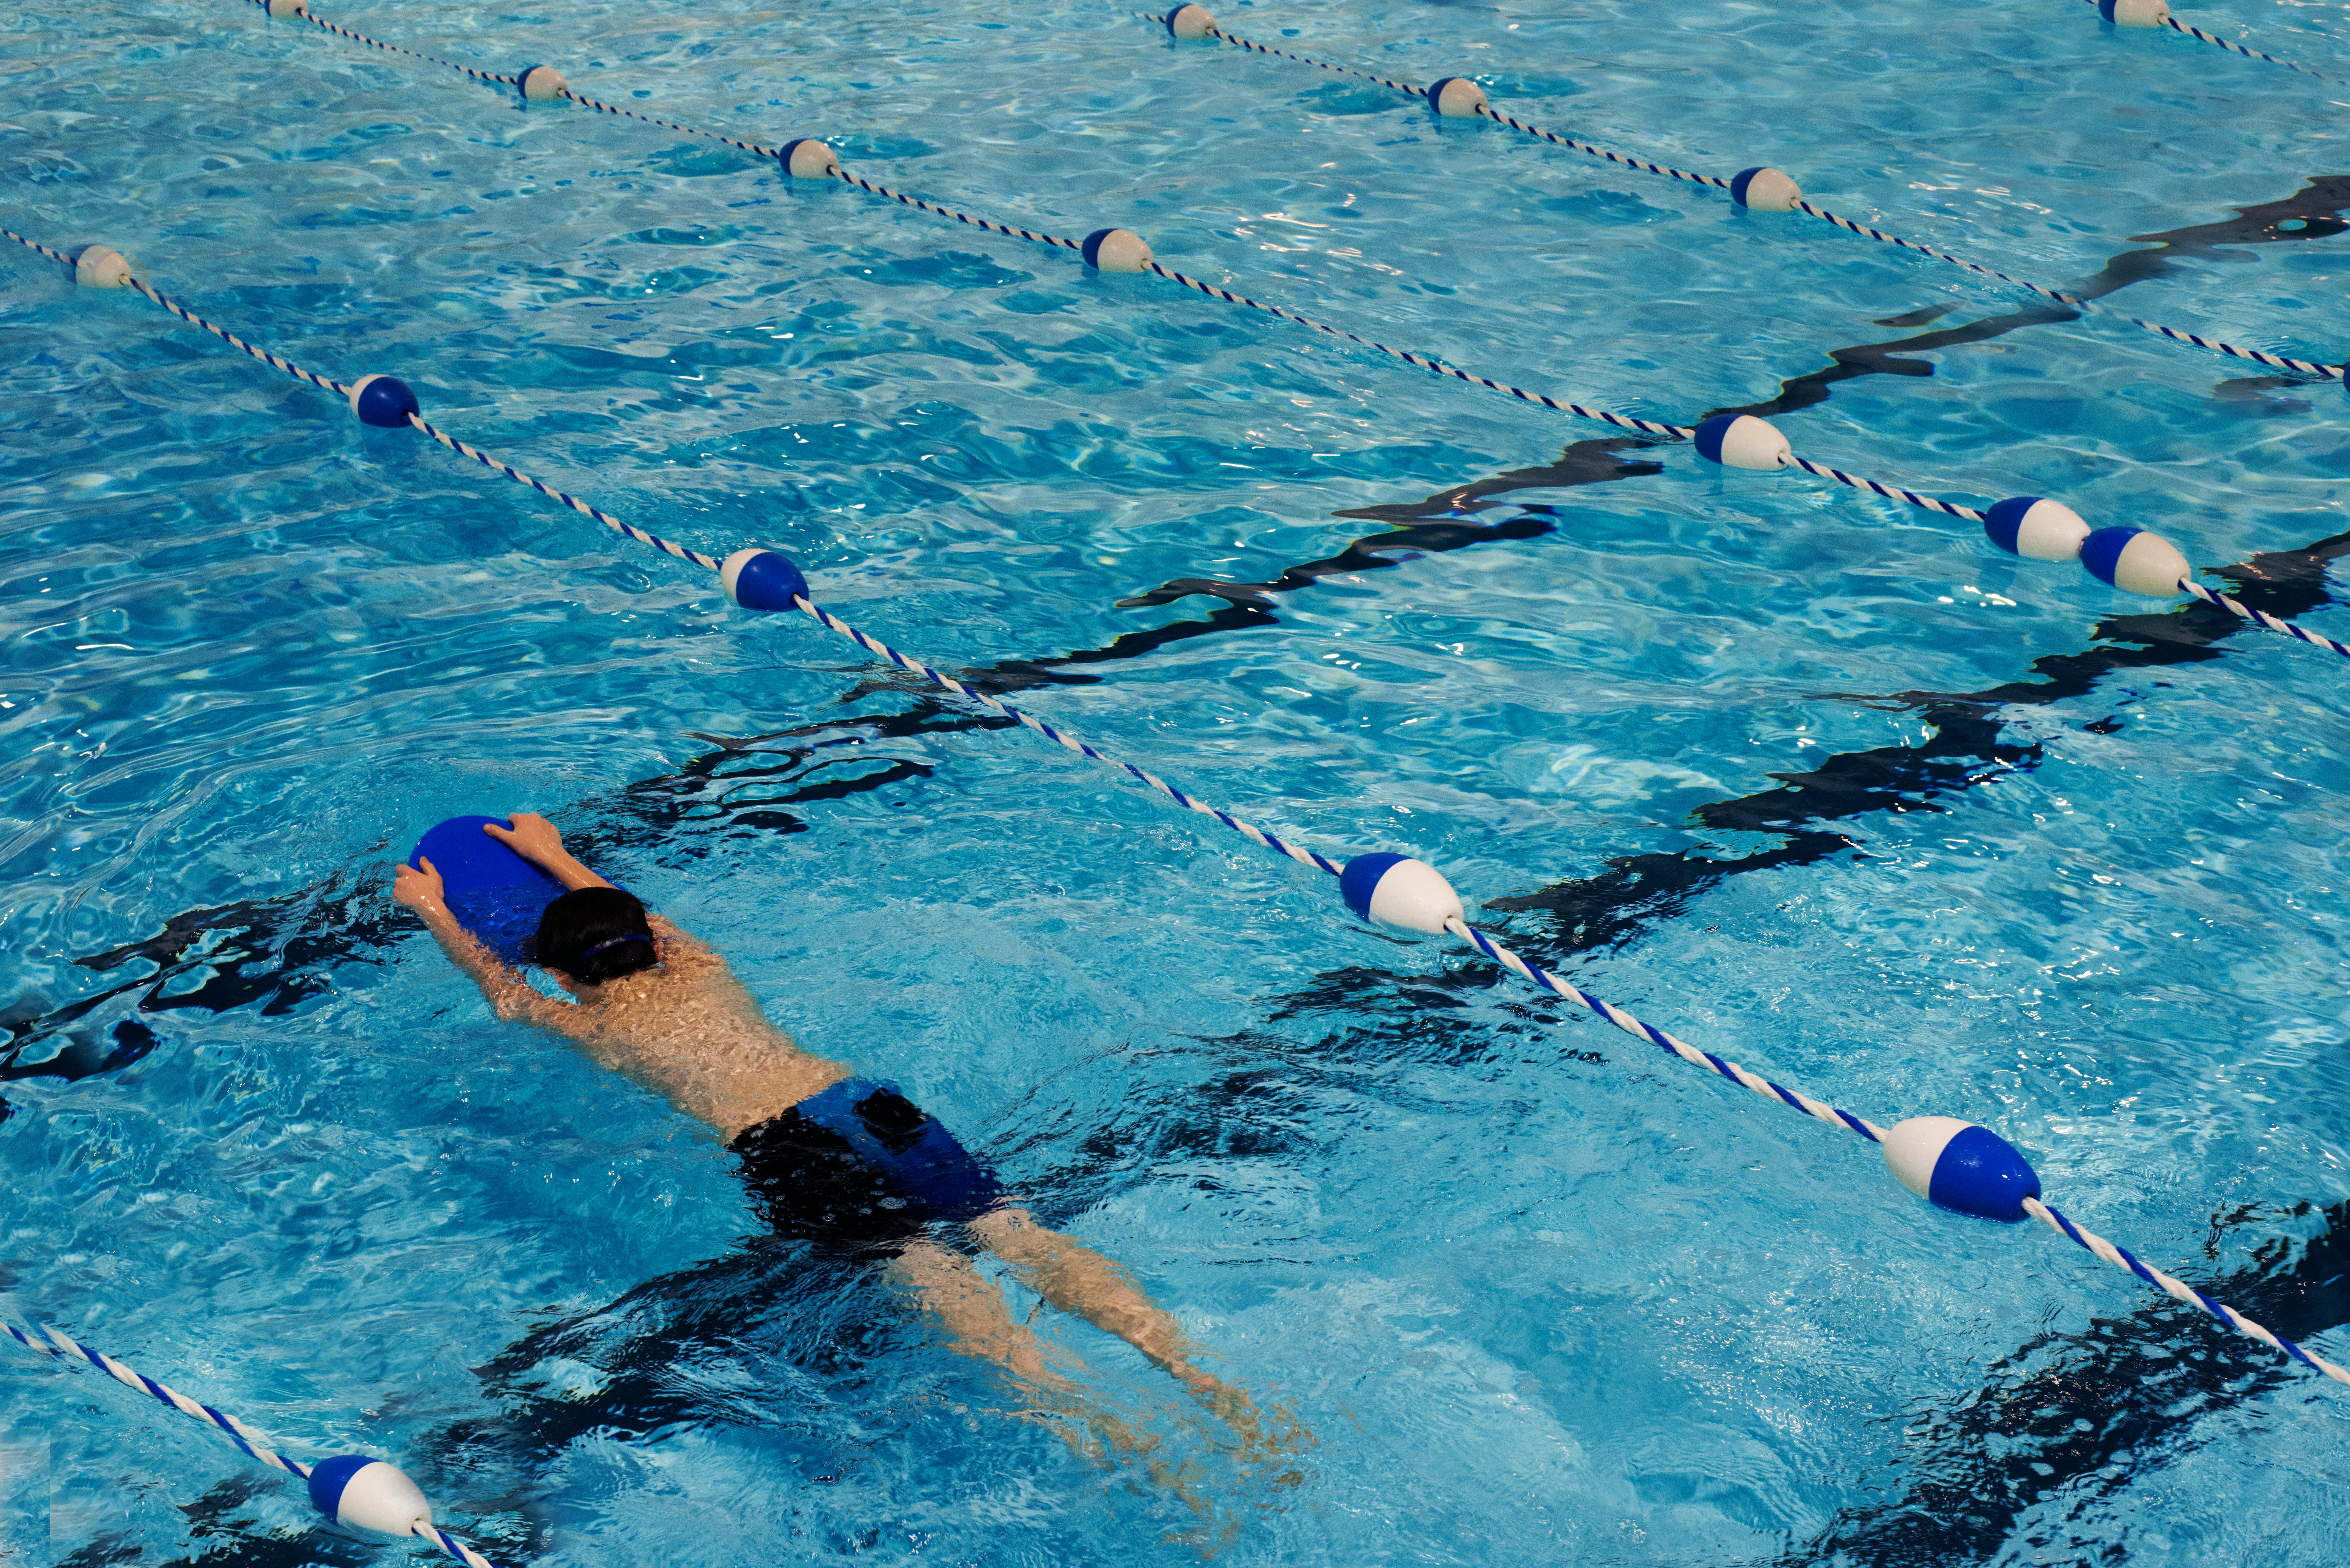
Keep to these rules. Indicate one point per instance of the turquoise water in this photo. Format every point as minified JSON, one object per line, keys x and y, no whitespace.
{"x":1818,"y":783}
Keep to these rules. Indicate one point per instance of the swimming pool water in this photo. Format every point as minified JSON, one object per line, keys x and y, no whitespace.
{"x":1817,"y":782}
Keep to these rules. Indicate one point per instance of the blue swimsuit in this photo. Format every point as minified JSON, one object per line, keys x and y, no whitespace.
{"x":860,"y":1165}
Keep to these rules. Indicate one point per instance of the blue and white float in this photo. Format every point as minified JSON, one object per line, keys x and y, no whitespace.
{"x":2135,"y":13}
{"x":540,"y":83}
{"x":1764,"y":189}
{"x":1187,"y":23}
{"x":1960,"y":1165}
{"x":368,"y":1494}
{"x":1115,"y":250}
{"x":1397,"y":890}
{"x":807,"y":159}
{"x":2036,"y":528}
{"x":1741,"y":440}
{"x":1455,"y":98}
{"x":100,"y":266}
{"x":2135,"y":561}
{"x":762,"y":580}
{"x":382,"y":401}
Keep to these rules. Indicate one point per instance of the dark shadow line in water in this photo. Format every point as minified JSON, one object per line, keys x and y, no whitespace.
{"x":1964,"y":750}
{"x":1433,"y":526}
{"x":2312,"y":212}
{"x":2095,"y":1409}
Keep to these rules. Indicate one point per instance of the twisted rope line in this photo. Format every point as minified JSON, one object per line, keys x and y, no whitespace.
{"x":668,"y":546}
{"x":1622,"y":421}
{"x":1891,"y":493}
{"x":1246,"y":830}
{"x":2276,"y":361}
{"x":2258,"y":355}
{"x":2261,"y":617}
{"x":862,"y":184}
{"x":2178,"y":1289}
{"x":2177,"y":25}
{"x":59,"y":256}
{"x":395,"y":50}
{"x":192,"y":319}
{"x":600,"y":107}
{"x":252,"y":1443}
{"x":1819,"y":1110}
{"x":326,"y":383}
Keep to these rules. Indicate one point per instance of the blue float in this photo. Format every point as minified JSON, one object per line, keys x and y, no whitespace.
{"x":762,"y":580}
{"x":1397,"y":890}
{"x":1741,"y":440}
{"x":805,"y":157}
{"x":1455,"y":98}
{"x":2036,"y":528}
{"x":2135,"y":561}
{"x":1959,"y":1165}
{"x":1115,"y":250}
{"x":1764,"y":189}
{"x":382,"y":401}
{"x":367,"y":1493}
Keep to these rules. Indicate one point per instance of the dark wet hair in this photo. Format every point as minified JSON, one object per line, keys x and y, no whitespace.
{"x":594,"y":934}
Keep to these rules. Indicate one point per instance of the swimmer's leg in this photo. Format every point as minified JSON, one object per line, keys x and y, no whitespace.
{"x":1076,"y":1279}
{"x":971,"y":1306}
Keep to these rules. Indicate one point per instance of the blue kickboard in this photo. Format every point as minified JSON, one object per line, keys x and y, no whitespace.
{"x":493,"y":893}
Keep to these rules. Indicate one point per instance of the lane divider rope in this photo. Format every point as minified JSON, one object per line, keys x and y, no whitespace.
{"x":1654,"y":428}
{"x":1954,"y":1164}
{"x":2156,"y":14}
{"x":1767,"y":448}
{"x":1773,"y":448}
{"x":57,"y":1345}
{"x":1482,"y":109}
{"x":405,"y":411}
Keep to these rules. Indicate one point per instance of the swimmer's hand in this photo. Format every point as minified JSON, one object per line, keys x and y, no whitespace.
{"x":533,"y":838}
{"x":420,"y":890}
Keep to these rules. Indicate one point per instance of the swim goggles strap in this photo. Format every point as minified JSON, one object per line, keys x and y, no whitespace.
{"x":613,"y":943}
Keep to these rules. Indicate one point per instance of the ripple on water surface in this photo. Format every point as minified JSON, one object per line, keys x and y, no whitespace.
{"x":1814,"y":781}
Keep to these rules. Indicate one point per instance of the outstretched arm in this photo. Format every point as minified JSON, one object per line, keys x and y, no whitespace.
{"x":533,"y":838}
{"x":510,"y":996}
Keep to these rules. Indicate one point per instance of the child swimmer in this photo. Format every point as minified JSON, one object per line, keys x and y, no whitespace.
{"x":827,"y":1157}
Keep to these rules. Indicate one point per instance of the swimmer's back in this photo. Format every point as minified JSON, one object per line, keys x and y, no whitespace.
{"x":693,"y":1032}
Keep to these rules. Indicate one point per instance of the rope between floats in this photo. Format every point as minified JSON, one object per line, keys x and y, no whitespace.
{"x":1499,"y":117}
{"x":57,"y":1345}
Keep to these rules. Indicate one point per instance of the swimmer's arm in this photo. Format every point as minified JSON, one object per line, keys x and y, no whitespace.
{"x":509,"y":996}
{"x":533,"y":838}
